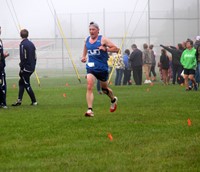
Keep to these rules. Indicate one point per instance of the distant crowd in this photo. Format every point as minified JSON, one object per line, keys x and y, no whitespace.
{"x":180,"y":64}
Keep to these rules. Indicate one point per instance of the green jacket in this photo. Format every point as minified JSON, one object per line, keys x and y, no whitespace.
{"x":188,"y":59}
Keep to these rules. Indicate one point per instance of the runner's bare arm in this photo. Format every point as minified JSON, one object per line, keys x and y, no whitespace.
{"x":107,"y":45}
{"x":84,"y":58}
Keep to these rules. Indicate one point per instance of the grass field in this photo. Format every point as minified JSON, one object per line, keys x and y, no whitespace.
{"x":149,"y":129}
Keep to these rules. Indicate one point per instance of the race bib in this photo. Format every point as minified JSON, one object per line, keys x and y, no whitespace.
{"x":91,"y":64}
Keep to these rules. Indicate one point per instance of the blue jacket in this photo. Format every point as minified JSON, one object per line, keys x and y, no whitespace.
{"x":126,"y":60}
{"x":27,"y":56}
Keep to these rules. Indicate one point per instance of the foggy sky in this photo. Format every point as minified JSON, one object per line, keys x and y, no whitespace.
{"x":35,"y":15}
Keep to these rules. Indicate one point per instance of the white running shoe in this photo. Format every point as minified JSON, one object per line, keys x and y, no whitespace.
{"x":89,"y":113}
{"x":34,"y":104}
{"x":147,"y":82}
{"x":113,"y":106}
{"x":4,"y":106}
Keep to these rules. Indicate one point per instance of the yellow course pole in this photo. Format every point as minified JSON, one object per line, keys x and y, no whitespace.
{"x":65,"y":40}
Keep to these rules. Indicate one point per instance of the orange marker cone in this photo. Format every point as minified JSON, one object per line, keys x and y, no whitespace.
{"x":64,"y":95}
{"x":66,"y":84}
{"x":14,"y":86}
{"x":189,"y":122}
{"x":110,"y":137}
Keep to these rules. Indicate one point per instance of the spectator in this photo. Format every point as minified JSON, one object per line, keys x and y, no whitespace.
{"x":147,"y":61}
{"x":164,"y":62}
{"x":119,"y":69}
{"x":136,"y":64}
{"x":153,"y":65}
{"x":177,"y":68}
{"x":189,"y":62}
{"x":110,"y":62}
{"x":3,"y":86}
{"x":127,"y":67}
{"x":27,"y":67}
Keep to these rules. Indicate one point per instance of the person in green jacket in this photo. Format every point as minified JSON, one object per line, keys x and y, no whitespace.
{"x":189,"y":62}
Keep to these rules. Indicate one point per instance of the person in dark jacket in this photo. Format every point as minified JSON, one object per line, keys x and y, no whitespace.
{"x":177,"y":68}
{"x":136,"y":64}
{"x":164,"y":61}
{"x":3,"y":86}
{"x":27,"y":67}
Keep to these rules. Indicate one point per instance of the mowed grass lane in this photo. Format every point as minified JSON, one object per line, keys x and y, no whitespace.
{"x":149,"y":129}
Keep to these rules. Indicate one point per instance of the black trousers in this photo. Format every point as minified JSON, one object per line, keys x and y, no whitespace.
{"x":24,"y":83}
{"x":3,"y":88}
{"x":137,"y":74}
{"x":152,"y":71}
{"x":127,"y":76}
{"x":177,"y":69}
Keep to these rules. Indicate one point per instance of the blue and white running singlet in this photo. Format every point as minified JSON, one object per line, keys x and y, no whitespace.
{"x":97,"y":59}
